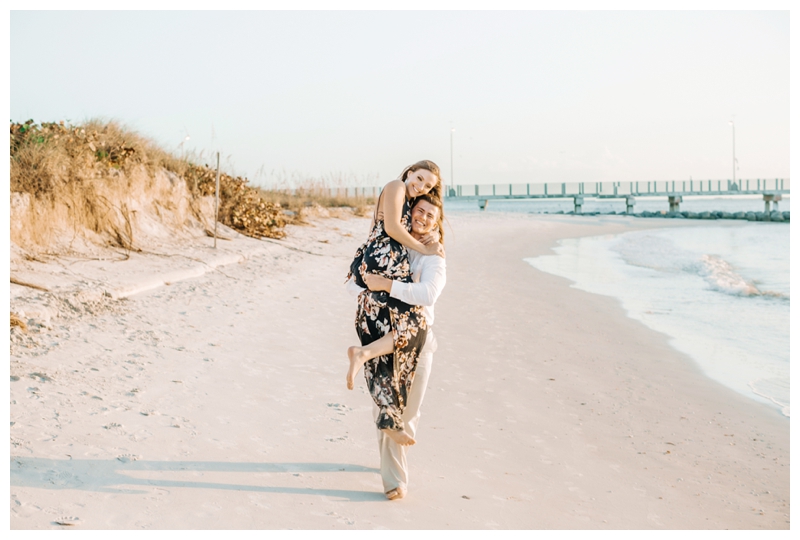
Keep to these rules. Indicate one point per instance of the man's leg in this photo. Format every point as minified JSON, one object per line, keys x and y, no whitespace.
{"x":394,"y":463}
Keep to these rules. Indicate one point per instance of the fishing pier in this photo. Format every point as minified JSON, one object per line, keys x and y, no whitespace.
{"x":673,"y":191}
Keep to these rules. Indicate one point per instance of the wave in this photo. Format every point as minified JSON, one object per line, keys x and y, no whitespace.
{"x":647,"y":250}
{"x":722,"y":277}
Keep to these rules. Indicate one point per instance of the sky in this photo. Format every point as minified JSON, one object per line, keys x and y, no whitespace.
{"x":352,"y":97}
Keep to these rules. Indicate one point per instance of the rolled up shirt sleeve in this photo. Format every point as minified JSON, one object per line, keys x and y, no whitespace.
{"x":352,"y":288}
{"x":431,"y":282}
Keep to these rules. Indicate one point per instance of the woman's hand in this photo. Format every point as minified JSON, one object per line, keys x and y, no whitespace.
{"x":431,"y":237}
{"x":377,"y":283}
{"x":434,"y":248}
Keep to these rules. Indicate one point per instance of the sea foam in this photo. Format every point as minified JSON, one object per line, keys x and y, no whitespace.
{"x":722,"y":277}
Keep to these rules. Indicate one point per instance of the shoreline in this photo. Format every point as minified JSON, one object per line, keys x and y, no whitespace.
{"x":660,"y":304}
{"x":219,"y":402}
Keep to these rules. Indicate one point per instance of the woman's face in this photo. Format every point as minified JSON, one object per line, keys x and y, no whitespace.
{"x":420,"y":182}
{"x":423,"y":217}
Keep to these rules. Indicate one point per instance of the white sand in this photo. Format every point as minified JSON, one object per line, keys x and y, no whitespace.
{"x":215,"y":398}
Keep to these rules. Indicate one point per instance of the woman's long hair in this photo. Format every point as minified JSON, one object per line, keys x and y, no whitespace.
{"x":437,"y":202}
{"x":428,"y":165}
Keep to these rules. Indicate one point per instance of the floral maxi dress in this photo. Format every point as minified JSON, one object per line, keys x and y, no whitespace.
{"x":388,"y":377}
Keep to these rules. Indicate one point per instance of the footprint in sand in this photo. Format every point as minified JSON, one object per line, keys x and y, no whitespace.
{"x":341,"y":519}
{"x":181,"y":422}
{"x":339,"y":408}
{"x":17,"y":443}
{"x":67,"y":521}
{"x":127,"y":458}
{"x":115,"y":427}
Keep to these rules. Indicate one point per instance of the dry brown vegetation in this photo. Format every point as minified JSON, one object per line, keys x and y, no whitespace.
{"x":46,"y":157}
{"x":240,"y":206}
{"x":312,"y":193}
{"x":104,"y":182}
{"x":16,"y":321}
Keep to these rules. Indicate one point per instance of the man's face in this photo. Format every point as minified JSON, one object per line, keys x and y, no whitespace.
{"x":423,"y":217}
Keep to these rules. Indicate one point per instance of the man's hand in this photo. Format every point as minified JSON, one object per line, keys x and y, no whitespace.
{"x":378,"y":283}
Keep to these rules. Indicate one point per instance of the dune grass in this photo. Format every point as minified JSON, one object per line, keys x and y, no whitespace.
{"x":90,"y":176}
{"x":297,"y":201}
{"x":46,"y":157}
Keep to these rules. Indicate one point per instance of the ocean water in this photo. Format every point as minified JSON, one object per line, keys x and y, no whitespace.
{"x":721,"y":293}
{"x":742,"y":203}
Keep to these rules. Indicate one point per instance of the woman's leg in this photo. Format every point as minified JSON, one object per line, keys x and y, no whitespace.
{"x":359,"y":356}
{"x":390,"y":360}
{"x":390,"y":382}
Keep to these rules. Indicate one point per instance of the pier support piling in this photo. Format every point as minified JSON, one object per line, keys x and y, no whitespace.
{"x":482,"y":203}
{"x":578,"y":204}
{"x":629,"y":202}
{"x":675,"y":203}
{"x":770,"y":198}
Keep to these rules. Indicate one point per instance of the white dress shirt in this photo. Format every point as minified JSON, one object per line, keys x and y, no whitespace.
{"x":429,"y":275}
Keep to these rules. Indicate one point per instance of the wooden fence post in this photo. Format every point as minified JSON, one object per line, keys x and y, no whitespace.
{"x":216,"y":204}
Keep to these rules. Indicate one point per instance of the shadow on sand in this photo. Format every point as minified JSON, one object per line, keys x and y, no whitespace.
{"x":107,"y":475}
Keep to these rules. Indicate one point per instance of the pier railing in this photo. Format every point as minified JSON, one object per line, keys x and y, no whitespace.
{"x":602,"y":190}
{"x":772,"y":190}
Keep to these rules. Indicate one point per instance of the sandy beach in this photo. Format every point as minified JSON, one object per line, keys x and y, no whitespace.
{"x":191,"y":388}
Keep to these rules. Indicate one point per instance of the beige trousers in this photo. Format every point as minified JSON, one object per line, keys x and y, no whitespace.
{"x":394,"y":462}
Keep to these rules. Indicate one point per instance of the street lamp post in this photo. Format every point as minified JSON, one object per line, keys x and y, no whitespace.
{"x":452,"y":184}
{"x":733,"y":132}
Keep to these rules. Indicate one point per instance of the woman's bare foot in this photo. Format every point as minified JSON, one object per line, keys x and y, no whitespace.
{"x":400,"y":437}
{"x":357,"y":359}
{"x":360,"y":355}
{"x":396,"y":493}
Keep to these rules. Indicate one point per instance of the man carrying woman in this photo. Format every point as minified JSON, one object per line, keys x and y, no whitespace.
{"x":396,"y":290}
